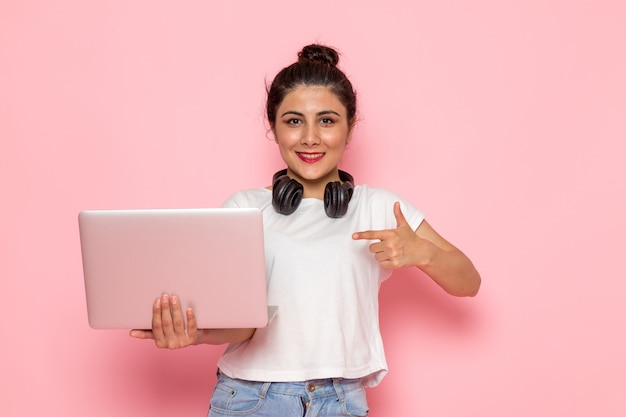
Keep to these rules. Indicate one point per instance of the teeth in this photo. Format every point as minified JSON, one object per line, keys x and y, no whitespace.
{"x":311,"y":156}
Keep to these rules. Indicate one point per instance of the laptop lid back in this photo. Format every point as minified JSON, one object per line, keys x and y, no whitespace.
{"x":213,"y":259}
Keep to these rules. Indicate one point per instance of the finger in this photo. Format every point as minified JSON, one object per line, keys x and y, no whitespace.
{"x":400,"y":219}
{"x":370,"y":235}
{"x":178,"y":323}
{"x":166,"y":317}
{"x":381,"y":257}
{"x":377,"y":247}
{"x":157,"y":324}
{"x":192,"y":325}
{"x":141,"y":334}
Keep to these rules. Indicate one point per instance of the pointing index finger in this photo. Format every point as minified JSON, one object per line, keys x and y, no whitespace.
{"x":369,"y":235}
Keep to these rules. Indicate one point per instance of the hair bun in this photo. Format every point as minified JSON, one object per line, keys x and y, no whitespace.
{"x":319,"y":53}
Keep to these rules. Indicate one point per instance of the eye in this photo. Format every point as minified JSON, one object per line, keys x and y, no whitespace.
{"x":293,"y":121}
{"x":326,"y":121}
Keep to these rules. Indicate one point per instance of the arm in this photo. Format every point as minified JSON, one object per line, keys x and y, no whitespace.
{"x":425,"y":249}
{"x":446,"y":264}
{"x":170,"y":331}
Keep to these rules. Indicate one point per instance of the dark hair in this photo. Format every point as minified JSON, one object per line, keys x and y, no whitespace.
{"x":316,"y":66}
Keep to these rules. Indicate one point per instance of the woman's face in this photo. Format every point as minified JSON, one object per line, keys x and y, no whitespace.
{"x":312,"y":131}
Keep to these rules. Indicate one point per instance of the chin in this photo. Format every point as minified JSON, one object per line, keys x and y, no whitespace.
{"x":314,"y":175}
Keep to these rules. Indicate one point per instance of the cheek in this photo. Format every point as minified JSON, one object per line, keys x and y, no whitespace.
{"x":285,"y":144}
{"x":285,"y":137}
{"x":336,"y":140}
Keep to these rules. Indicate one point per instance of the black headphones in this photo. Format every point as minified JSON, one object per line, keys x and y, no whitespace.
{"x":287,"y":194}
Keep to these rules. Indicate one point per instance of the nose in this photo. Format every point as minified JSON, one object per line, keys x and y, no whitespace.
{"x":310,"y":135}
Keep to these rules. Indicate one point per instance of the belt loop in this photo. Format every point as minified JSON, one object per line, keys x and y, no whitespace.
{"x":338,"y":389}
{"x":264,"y":388}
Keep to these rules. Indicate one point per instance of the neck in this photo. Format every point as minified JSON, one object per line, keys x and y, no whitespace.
{"x":315,"y":188}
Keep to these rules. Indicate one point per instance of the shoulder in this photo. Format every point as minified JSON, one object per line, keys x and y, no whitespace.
{"x":374,"y":195}
{"x":380,"y":201}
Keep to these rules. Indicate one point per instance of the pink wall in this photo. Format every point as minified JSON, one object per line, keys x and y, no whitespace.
{"x":504,"y":123}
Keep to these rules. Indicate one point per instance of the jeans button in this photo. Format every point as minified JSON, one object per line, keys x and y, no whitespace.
{"x":310,"y":387}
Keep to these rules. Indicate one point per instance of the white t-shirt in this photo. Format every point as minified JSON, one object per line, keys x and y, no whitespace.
{"x":325,"y":285}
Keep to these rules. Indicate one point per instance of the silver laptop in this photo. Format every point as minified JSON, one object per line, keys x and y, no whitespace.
{"x":213,"y":259}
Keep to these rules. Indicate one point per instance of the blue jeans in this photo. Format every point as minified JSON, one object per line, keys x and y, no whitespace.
{"x":319,"y":398}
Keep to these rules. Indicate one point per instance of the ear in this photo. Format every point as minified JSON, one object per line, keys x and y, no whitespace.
{"x":350,"y":131}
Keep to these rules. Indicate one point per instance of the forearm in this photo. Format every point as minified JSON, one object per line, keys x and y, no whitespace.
{"x":222,"y":336}
{"x":452,"y":271}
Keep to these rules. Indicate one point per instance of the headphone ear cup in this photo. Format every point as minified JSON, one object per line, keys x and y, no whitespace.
{"x":330,"y":199}
{"x":336,"y":198}
{"x":286,"y":194}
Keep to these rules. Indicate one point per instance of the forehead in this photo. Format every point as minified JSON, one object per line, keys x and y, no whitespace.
{"x":312,"y":99}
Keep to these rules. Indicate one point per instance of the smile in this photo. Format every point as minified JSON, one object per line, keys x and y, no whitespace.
{"x":310,"y":157}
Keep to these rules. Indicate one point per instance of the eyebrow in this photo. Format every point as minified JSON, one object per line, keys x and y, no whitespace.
{"x":321,"y":113}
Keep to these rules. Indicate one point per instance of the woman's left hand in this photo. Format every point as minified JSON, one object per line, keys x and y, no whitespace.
{"x":397,"y":248}
{"x":425,"y":249}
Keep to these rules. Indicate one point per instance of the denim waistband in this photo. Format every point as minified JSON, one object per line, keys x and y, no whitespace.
{"x":311,"y":388}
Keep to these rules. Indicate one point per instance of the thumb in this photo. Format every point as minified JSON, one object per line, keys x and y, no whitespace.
{"x":400,"y":219}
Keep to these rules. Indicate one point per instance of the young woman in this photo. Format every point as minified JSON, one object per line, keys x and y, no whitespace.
{"x":329,"y":245}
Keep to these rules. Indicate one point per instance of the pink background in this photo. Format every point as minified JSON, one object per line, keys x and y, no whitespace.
{"x":503,"y":120}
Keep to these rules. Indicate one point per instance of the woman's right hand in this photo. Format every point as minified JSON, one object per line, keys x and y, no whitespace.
{"x":169,"y":329}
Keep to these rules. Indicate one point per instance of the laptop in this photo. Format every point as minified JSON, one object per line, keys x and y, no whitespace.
{"x":211,"y":258}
